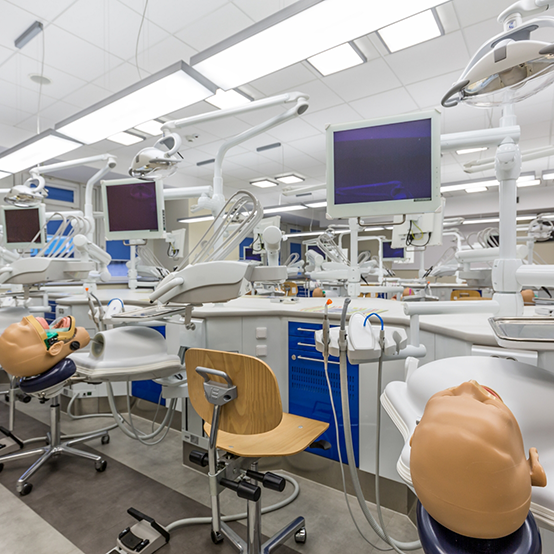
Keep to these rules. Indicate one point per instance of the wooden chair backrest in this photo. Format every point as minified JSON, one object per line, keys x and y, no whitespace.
{"x":464,"y":294}
{"x":257,"y":408}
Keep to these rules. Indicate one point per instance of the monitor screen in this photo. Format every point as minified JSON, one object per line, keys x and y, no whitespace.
{"x":384,"y":167}
{"x":22,"y":226}
{"x":390,"y":253}
{"x":133,"y":209}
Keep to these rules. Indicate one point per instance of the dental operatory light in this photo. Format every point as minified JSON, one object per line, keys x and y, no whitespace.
{"x":296,"y":33}
{"x":413,"y":30}
{"x":125,"y":138}
{"x":471,"y":150}
{"x":228,"y":99}
{"x":158,"y":161}
{"x":337,"y":59}
{"x":163,"y":92}
{"x":264,"y":183}
{"x":290,"y":178}
{"x":152,"y":127}
{"x":38,"y":149}
{"x":30,"y":194}
{"x":510,"y":67}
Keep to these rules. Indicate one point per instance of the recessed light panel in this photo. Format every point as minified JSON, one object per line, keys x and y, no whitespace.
{"x":290,"y":179}
{"x":227,"y":99}
{"x":471,"y":150}
{"x":125,"y":138}
{"x":410,"y":31}
{"x":279,"y":209}
{"x":196,"y":219}
{"x":264,"y":183}
{"x":336,"y":59}
{"x":318,"y":204}
{"x":151,"y":127}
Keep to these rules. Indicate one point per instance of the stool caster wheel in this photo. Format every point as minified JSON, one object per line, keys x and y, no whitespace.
{"x":100,"y":466}
{"x":26,"y":489}
{"x":1,"y":467}
{"x":217,"y":538}
{"x":25,"y":398}
{"x":300,"y":536}
{"x":106,"y":439}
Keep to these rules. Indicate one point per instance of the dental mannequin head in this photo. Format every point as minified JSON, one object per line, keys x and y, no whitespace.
{"x":30,"y":347}
{"x":468,"y":463}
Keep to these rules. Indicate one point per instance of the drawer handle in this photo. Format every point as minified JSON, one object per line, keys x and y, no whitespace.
{"x":305,"y":344}
{"x":307,"y":330}
{"x":315,"y":360}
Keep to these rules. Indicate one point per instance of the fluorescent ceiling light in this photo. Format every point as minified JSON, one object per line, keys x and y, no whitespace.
{"x":278,"y":209}
{"x":471,"y":150}
{"x":306,"y":234}
{"x":164,"y":92}
{"x":471,"y":190}
{"x":4,"y":174}
{"x":337,"y":59}
{"x":296,"y":33}
{"x":410,"y":31}
{"x":548,"y":176}
{"x":477,"y":221}
{"x":264,"y":183}
{"x":196,"y":219}
{"x":530,"y":183}
{"x":125,"y":138}
{"x":151,"y":127}
{"x":290,"y":179}
{"x":228,"y":99}
{"x":38,"y":149}
{"x":318,"y":204}
{"x":490,"y":183}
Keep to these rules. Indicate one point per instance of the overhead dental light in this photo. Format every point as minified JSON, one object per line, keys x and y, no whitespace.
{"x":30,"y":194}
{"x":296,"y":33}
{"x":510,"y":67}
{"x":158,"y":161}
{"x":38,"y":149}
{"x":164,"y":92}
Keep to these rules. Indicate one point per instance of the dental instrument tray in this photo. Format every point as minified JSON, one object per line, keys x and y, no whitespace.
{"x":150,"y":313}
{"x":524,"y":333}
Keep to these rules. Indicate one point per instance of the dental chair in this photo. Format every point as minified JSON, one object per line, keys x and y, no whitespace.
{"x":36,"y":354}
{"x":238,"y":397}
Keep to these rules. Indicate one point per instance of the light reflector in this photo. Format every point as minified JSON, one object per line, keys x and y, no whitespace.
{"x":164,"y":92}
{"x":337,"y":59}
{"x":38,"y":149}
{"x":410,"y":31}
{"x":296,"y":33}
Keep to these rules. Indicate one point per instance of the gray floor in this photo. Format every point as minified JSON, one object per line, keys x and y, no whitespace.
{"x":330,"y":528}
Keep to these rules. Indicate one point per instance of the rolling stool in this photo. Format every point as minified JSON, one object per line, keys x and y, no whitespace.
{"x":437,"y":539}
{"x":49,"y":385}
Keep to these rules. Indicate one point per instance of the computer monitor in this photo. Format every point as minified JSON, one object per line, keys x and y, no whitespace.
{"x":391,"y":254}
{"x":133,"y":209}
{"x":385,"y":166}
{"x":23,"y":228}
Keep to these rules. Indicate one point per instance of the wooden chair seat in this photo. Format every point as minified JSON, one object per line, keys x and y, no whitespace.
{"x":293,"y":435}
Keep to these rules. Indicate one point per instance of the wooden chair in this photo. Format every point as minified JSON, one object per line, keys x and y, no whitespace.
{"x":238,"y":397}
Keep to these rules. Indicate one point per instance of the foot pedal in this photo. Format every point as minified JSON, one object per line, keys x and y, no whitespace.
{"x":144,"y":537}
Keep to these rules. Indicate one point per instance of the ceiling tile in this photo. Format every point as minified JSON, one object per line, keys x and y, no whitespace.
{"x":74,"y":55}
{"x":284,"y":80}
{"x":86,"y":96}
{"x":120,"y":77}
{"x":293,"y":129}
{"x":257,"y":10}
{"x":19,"y":97}
{"x":387,"y":103}
{"x":224,"y":128}
{"x":10,"y":135}
{"x":430,"y":92}
{"x":321,"y":96}
{"x":101,"y":24}
{"x":215,"y":27}
{"x":45,"y":11}
{"x":163,"y":54}
{"x":337,"y":114}
{"x":473,"y":11}
{"x":430,"y":59}
{"x":476,"y":35}
{"x":363,"y":80}
{"x":313,"y":147}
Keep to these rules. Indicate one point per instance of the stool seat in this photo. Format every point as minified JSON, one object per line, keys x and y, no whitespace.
{"x":62,"y":371}
{"x":437,"y":539}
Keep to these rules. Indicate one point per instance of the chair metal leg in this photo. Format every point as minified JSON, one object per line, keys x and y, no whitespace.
{"x":32,"y":470}
{"x":254,"y":520}
{"x":238,"y":543}
{"x":285,"y":533}
{"x":79,"y":440}
{"x":80,"y":453}
{"x":23,"y":454}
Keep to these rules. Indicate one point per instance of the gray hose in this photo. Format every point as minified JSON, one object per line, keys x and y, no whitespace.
{"x":381,"y":532}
